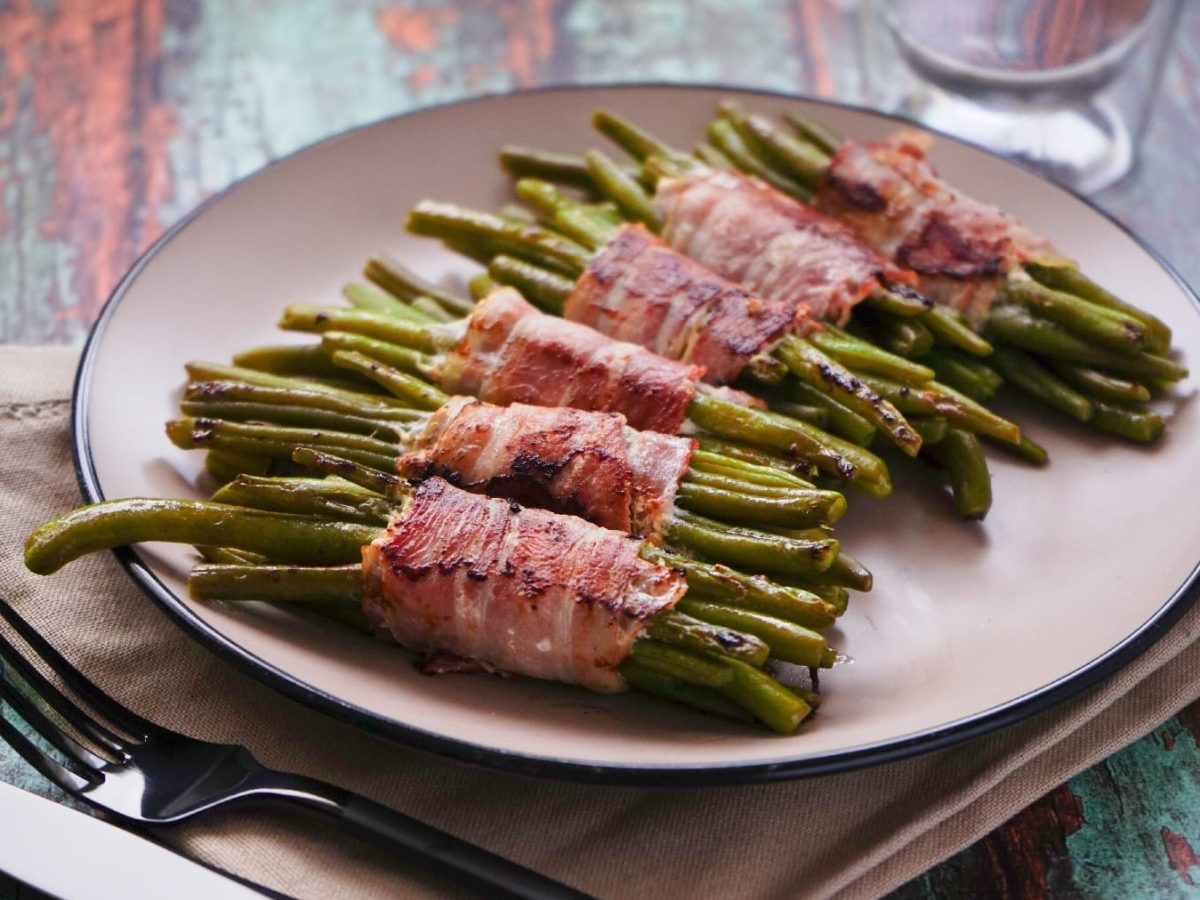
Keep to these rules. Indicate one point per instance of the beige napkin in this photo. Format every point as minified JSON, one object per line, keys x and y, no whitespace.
{"x":857,"y":834}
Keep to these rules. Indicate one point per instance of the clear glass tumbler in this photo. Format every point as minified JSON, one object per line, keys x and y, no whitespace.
{"x":1065,"y":86}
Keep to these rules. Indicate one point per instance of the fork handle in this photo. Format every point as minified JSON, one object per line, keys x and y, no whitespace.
{"x":460,"y":861}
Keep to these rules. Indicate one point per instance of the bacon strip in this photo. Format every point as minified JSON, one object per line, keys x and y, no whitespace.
{"x":512,"y":353}
{"x":748,"y":232}
{"x":588,"y":464}
{"x":638,"y":289}
{"x":520,"y":590}
{"x":892,"y":197}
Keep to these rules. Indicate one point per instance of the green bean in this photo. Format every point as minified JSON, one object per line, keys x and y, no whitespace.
{"x":1028,"y":450}
{"x":787,"y":155}
{"x":224,"y":466}
{"x":482,"y":284}
{"x":931,"y":428}
{"x":300,"y":394}
{"x":747,"y":470}
{"x":225,"y":556}
{"x":813,"y":366}
{"x":357,"y":321}
{"x":277,"y":414}
{"x":726,"y":480}
{"x":1095,"y":324}
{"x":842,"y":420}
{"x":678,"y":628}
{"x":779,"y":433}
{"x":844,"y":570}
{"x":1070,"y":280}
{"x":334,"y":585}
{"x":622,"y":190}
{"x":719,"y":583}
{"x":406,"y":387}
{"x":288,"y":359}
{"x":742,"y":452}
{"x":968,"y":374}
{"x":433,"y":310}
{"x":902,"y":336}
{"x":765,"y":369}
{"x":1020,"y":328}
{"x":546,"y":290}
{"x":381,"y":481}
{"x":117,"y":523}
{"x":205,"y":371}
{"x":529,"y":242}
{"x":591,"y":225}
{"x":948,"y":330}
{"x":937,"y":399}
{"x":798,"y":509}
{"x":402,"y":358}
{"x":725,"y":138}
{"x":1024,"y":372}
{"x":1099,"y":384}
{"x":817,"y":134}
{"x":897,"y":299}
{"x":560,"y":168}
{"x":711,"y":156}
{"x":751,"y":549}
{"x":309,"y":497}
{"x":1131,"y":424}
{"x":275,"y":441}
{"x":401,"y":281}
{"x":660,"y":684}
{"x":962,"y":456}
{"x":765,"y":698}
{"x":863,"y":357}
{"x":814,"y":415}
{"x":633,"y":140}
{"x":787,"y":641}
{"x":375,"y":299}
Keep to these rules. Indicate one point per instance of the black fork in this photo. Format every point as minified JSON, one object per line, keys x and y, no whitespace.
{"x":157,"y":776}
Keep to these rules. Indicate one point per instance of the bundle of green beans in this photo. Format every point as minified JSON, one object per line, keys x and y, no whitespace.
{"x":1058,"y":336}
{"x":254,"y":427}
{"x":385,"y":337}
{"x":299,"y":541}
{"x":939,"y":401}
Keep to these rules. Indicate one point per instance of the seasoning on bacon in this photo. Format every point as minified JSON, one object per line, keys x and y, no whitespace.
{"x":748,"y":232}
{"x":511,"y":353}
{"x":892,"y":197}
{"x":589,"y":464}
{"x":638,"y":289}
{"x":520,"y":590}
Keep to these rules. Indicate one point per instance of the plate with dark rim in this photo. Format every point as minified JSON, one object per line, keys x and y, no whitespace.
{"x":1078,"y":568}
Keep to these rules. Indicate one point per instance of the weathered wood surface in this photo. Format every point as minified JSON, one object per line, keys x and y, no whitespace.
{"x":118,"y":116}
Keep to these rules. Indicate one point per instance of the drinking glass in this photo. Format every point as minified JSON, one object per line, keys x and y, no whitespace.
{"x":1065,"y":86}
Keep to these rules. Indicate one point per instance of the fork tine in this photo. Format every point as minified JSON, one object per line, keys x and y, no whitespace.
{"x":42,"y":724}
{"x":47,"y":765}
{"x":123,"y":718}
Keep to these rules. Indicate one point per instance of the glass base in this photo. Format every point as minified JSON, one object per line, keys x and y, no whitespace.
{"x":1085,"y":147}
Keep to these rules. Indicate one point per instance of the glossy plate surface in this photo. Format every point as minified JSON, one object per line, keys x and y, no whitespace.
{"x":1077,"y":568}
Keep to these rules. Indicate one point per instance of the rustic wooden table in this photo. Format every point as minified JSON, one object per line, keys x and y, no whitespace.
{"x":118,"y":116}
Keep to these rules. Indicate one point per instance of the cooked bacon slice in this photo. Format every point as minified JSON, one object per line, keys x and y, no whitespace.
{"x":749,"y":232}
{"x":520,"y":590}
{"x":891,"y":195}
{"x":638,"y":289}
{"x":512,"y":353}
{"x":588,"y":464}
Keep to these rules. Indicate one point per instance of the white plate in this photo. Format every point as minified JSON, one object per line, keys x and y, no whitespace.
{"x":970,"y":627}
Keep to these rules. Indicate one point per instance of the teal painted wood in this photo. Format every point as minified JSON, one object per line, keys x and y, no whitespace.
{"x":116,"y":118}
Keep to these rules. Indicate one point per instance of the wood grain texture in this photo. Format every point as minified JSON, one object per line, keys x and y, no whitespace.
{"x":118,"y":116}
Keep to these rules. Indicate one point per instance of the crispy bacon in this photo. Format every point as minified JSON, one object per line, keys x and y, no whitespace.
{"x":588,"y":464}
{"x":748,"y":232}
{"x":511,"y":353}
{"x":892,"y":197}
{"x":520,"y":590}
{"x":639,"y":289}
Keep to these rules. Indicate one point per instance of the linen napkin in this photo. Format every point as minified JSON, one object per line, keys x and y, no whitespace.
{"x":855,"y":835}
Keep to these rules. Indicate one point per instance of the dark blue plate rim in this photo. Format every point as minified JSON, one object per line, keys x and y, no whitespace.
{"x":787,"y":767}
